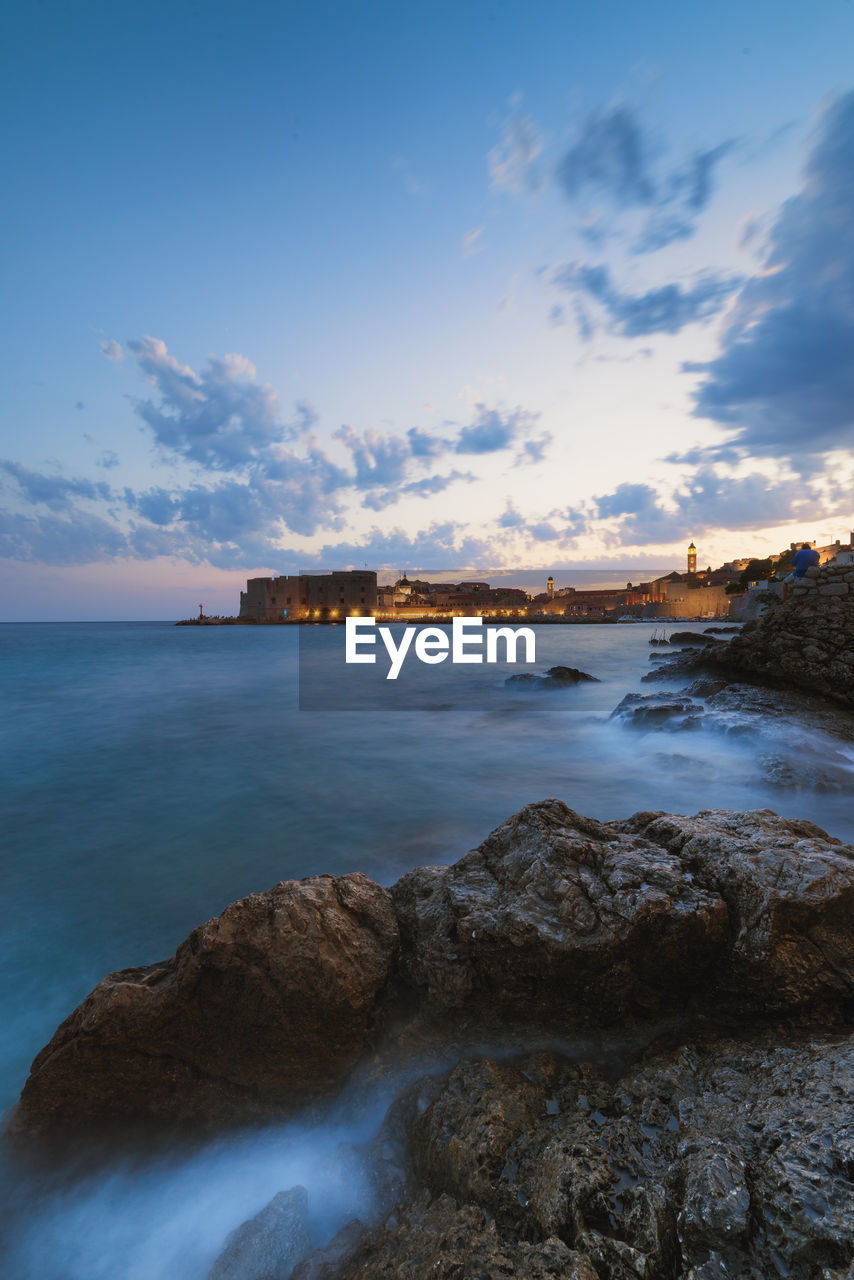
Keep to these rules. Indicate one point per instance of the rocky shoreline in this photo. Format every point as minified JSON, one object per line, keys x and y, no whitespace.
{"x":723,"y":938}
{"x":805,"y":643}
{"x":648,"y":1021}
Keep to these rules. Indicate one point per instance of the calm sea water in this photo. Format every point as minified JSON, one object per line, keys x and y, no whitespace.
{"x":152,"y":774}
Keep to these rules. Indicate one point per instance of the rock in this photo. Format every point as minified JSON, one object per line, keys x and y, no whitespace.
{"x":693,"y":638}
{"x":558,"y":921}
{"x":716,"y":1199}
{"x":569,"y":675}
{"x":259,"y":1010}
{"x":711,"y":631}
{"x":719,"y":1157}
{"x":554,"y":678}
{"x":556,"y":925}
{"x":681,"y":663}
{"x":269,"y":1246}
{"x":705,"y":688}
{"x":789,"y":890}
{"x":327,"y":1264}
{"x":655,"y":709}
{"x":439,"y":1239}
{"x":806,"y":642}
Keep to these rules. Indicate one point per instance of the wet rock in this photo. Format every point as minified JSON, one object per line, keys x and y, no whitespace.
{"x":711,"y":631}
{"x":554,"y":678}
{"x":705,"y":688}
{"x":789,"y":890}
{"x":463,"y":1138}
{"x":695,"y":638}
{"x":802,"y":713}
{"x":441,"y":1240}
{"x":682,"y":664}
{"x":655,"y":709}
{"x":262,"y":1008}
{"x":328,"y":1263}
{"x":557,"y":921}
{"x":805,"y":642}
{"x":269,"y":1246}
{"x":720,"y":1157}
{"x":715,"y":1201}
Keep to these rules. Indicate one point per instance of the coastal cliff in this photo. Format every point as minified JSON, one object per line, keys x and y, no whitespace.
{"x":706,"y":962}
{"x":805,"y":642}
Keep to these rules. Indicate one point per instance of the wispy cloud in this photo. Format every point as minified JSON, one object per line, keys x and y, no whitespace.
{"x":665,"y":309}
{"x":514,"y":160}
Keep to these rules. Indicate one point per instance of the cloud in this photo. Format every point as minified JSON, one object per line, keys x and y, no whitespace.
{"x":666,"y":309}
{"x":492,"y":431}
{"x":471,"y":242}
{"x":220,"y":418}
{"x":112,"y":350}
{"x":611,"y":157}
{"x":534,"y":451}
{"x":78,"y":538}
{"x":710,"y":499}
{"x":55,"y":492}
{"x":248,"y":474}
{"x":784,"y":378}
{"x":614,"y":159}
{"x":513,"y":162}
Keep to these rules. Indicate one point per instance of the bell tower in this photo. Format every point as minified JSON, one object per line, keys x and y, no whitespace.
{"x":692,"y":559}
{"x":550,"y":588}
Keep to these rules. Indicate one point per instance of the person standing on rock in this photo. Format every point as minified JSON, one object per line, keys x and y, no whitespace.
{"x":802,"y":560}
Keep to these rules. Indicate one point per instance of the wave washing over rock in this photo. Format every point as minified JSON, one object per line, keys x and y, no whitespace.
{"x":707,"y":961}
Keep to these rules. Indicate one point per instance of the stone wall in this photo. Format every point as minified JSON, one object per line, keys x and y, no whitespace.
{"x":806,"y":641}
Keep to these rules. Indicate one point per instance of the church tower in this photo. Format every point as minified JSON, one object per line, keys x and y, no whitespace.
{"x":550,"y":588}
{"x":692,"y":559}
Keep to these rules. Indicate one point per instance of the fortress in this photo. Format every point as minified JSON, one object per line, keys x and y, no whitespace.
{"x":305,"y":596}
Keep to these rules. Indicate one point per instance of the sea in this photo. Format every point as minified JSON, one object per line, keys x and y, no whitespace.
{"x":152,"y":774}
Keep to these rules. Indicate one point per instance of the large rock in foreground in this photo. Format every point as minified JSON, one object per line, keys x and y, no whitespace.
{"x":554,"y":926}
{"x":260,"y":1009}
{"x":562,"y":922}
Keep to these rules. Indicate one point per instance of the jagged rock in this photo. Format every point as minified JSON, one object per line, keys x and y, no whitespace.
{"x":806,"y":642}
{"x":705,"y":688}
{"x":260,"y":1009}
{"x":716,"y":1158}
{"x":554,"y":678}
{"x":441,"y":1240}
{"x":693,"y":638}
{"x":789,"y":891}
{"x":558,"y":921}
{"x":800,"y":711}
{"x":652,"y":710}
{"x":563,"y":922}
{"x":270,"y":1245}
{"x":327,"y":1264}
{"x":683,"y":662}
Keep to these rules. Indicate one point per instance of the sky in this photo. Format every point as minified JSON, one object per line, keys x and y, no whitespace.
{"x":494,"y":287}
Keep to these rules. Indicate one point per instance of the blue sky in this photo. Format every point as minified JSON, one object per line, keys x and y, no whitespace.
{"x":434,"y":286}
